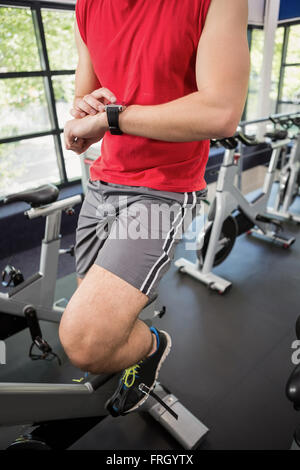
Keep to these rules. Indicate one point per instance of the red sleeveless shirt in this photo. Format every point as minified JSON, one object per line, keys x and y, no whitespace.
{"x":144,"y":51}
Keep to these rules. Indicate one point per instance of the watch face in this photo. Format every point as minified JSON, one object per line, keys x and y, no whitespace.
{"x":118,"y":106}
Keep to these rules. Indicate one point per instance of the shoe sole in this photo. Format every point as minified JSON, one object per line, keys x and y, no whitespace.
{"x":162,"y":360}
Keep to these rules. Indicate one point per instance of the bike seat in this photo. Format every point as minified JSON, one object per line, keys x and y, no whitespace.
{"x":36,"y":197}
{"x":293,"y":388}
{"x":277,"y":135}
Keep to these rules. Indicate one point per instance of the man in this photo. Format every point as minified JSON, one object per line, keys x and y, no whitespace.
{"x":179,"y":72}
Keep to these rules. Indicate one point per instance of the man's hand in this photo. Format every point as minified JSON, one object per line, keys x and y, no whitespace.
{"x":92,"y":103}
{"x":80,"y":134}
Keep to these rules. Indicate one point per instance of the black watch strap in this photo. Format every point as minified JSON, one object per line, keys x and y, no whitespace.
{"x":113,"y":119}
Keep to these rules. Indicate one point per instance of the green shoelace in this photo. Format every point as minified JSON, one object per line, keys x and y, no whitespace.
{"x":130,"y":374}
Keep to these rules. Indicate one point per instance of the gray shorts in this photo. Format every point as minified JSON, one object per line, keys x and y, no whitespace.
{"x":132,"y":231}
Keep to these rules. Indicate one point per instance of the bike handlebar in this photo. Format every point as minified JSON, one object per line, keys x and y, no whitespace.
{"x":285,"y":122}
{"x":231,"y":143}
{"x":246,"y":140}
{"x":296,"y":121}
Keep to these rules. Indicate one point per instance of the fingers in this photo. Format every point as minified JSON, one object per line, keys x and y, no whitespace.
{"x":84,"y":145}
{"x":83,"y":105}
{"x":68,"y":140}
{"x":78,"y":146}
{"x":92,"y":103}
{"x":69,"y":137}
{"x":77,"y":114}
{"x":104,"y":93}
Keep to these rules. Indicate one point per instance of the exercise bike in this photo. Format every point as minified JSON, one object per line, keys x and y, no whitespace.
{"x":289,"y":178}
{"x":231,"y":214}
{"x":31,"y":300}
{"x":60,"y":413}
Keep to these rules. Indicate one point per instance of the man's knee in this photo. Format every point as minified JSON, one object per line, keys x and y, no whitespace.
{"x":88,"y":348}
{"x":99,"y":319}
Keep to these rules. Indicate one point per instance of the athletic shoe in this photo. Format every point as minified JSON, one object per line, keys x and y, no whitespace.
{"x":138,"y":381}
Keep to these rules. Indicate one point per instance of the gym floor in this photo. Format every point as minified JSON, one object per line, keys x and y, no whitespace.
{"x":231,"y":354}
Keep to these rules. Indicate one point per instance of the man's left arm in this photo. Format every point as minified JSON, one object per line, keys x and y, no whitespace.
{"x":214,"y":111}
{"x":222,"y":72}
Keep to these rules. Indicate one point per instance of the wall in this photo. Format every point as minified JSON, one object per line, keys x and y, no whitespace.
{"x":256,"y":11}
{"x":289,"y":9}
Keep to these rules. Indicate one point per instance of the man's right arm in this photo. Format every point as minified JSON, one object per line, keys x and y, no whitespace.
{"x":90,"y":98}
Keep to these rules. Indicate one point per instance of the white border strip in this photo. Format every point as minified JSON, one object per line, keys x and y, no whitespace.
{"x":166,"y":240}
{"x":174,"y":238}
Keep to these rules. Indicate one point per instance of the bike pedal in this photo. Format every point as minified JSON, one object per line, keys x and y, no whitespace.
{"x":11,"y":276}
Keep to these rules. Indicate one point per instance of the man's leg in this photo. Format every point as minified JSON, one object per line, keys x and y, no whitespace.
{"x":99,"y":328}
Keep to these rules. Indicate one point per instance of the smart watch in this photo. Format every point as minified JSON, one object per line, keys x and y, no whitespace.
{"x":113,"y":111}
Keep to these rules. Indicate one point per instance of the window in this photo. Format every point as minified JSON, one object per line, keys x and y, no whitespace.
{"x":17,"y":35}
{"x":37,"y":65}
{"x":23,"y":106}
{"x":63,"y":86}
{"x":256,"y":57}
{"x":289,"y":83}
{"x":27,"y":163}
{"x":256,"y":60}
{"x":59,"y":33}
{"x":279,"y":40}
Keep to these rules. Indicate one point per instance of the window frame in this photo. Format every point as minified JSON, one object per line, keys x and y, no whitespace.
{"x":46,"y":73}
{"x":287,"y":28}
{"x":250,"y":30}
{"x":283,"y":64}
